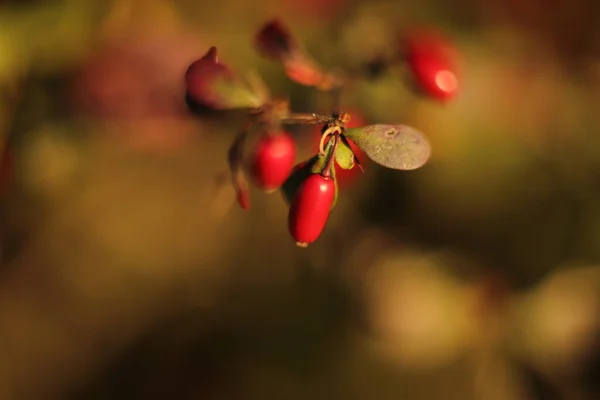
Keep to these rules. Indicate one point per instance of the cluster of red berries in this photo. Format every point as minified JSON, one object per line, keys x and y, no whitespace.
{"x":311,"y":187}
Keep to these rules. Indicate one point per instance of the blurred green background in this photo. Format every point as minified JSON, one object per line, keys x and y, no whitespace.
{"x":128,"y":272}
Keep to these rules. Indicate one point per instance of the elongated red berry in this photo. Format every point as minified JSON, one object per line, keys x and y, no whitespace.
{"x":432,"y":62}
{"x":273,"y":160}
{"x":310,"y":209}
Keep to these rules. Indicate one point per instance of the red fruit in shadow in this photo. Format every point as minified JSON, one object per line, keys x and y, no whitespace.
{"x":431,"y":61}
{"x":273,"y":160}
{"x":310,"y":209}
{"x":201,"y":76}
{"x":346,"y":177}
{"x":275,"y":41}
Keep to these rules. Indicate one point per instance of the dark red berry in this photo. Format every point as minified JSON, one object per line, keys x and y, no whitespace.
{"x":275,"y":41}
{"x":273,"y":160}
{"x":201,"y":77}
{"x":298,"y":175}
{"x":432,"y":62}
{"x":310,"y":209}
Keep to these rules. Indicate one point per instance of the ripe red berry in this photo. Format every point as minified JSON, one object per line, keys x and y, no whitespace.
{"x":310,"y":209}
{"x":431,"y":60}
{"x":273,"y":160}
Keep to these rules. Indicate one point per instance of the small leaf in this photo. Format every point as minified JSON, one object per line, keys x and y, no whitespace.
{"x":302,"y":70}
{"x":393,"y":146}
{"x":344,"y":156}
{"x":231,"y":94}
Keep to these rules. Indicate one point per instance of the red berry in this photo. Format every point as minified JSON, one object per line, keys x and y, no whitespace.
{"x":310,"y":209}
{"x":432,"y":63}
{"x":273,"y":160}
{"x":201,"y":76}
{"x":275,"y":41}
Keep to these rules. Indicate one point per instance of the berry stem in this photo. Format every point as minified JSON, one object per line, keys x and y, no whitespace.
{"x":327,"y":171}
{"x":302,"y":118}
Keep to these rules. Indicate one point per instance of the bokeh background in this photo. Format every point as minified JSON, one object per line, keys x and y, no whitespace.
{"x":128,"y":272}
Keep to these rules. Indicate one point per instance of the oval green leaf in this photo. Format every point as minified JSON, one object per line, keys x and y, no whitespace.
{"x":233,"y":93}
{"x":399,"y":147}
{"x":344,"y":156}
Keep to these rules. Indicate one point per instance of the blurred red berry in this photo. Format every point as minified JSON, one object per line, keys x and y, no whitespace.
{"x":310,"y":209}
{"x":134,"y":77}
{"x":275,"y":41}
{"x":273,"y":160}
{"x":431,"y":59}
{"x":345,"y":177}
{"x":201,"y":76}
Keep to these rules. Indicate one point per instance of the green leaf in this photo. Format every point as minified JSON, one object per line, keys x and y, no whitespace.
{"x":393,"y":146}
{"x":344,"y":156}
{"x":233,"y":93}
